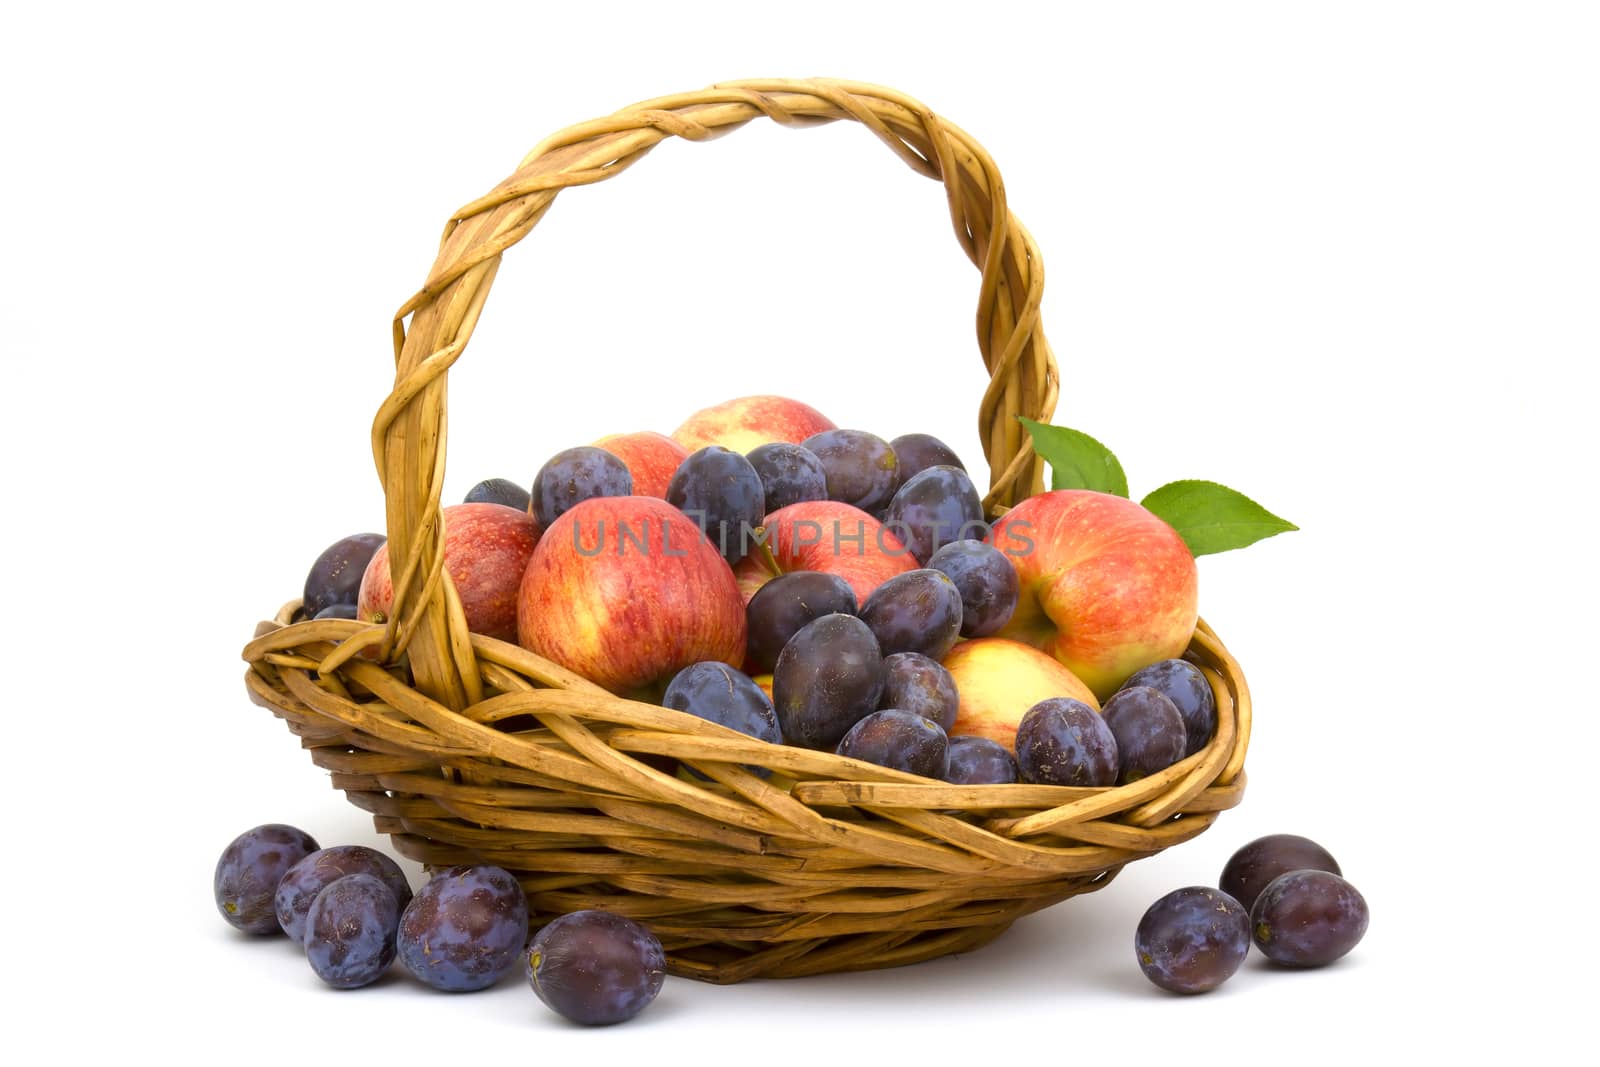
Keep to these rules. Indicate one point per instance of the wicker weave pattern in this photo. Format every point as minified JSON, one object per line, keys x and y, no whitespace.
{"x":476,"y":750}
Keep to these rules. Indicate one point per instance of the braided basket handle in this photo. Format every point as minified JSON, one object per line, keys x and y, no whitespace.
{"x":408,"y":434}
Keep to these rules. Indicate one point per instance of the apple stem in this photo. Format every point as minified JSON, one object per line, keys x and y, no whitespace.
{"x":763,"y":552}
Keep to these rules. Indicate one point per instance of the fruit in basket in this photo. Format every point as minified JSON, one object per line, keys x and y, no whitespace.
{"x":718,"y":693}
{"x":750,"y":421}
{"x":486,"y":549}
{"x":502,"y":491}
{"x":1192,"y":940}
{"x":595,"y":967}
{"x":301,"y":883}
{"x":574,"y":475}
{"x":790,"y":474}
{"x":915,"y":683}
{"x":861,"y":469}
{"x":650,"y":458}
{"x":919,"y":611}
{"x":934,"y":508}
{"x":1000,"y":681}
{"x":625,"y":591}
{"x":337,"y":611}
{"x":1254,"y":866}
{"x":1106,"y":586}
{"x":1308,"y":918}
{"x":782,"y":606}
{"x":986,"y":581}
{"x":722,"y":493}
{"x":1183,"y":683}
{"x":335,"y":577}
{"x":464,"y":929}
{"x":900,"y":741}
{"x":350,"y":930}
{"x":979,"y":761}
{"x":1149,"y":731}
{"x":1061,"y":741}
{"x":248,"y":871}
{"x":828,"y":678}
{"x":825,"y":536}
{"x":919,"y":451}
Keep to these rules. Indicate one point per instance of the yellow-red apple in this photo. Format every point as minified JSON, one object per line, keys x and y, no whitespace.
{"x":1106,"y":586}
{"x":625,"y":591}
{"x":999,"y":680}
{"x":486,"y":549}
{"x":827,"y":536}
{"x":650,"y":457}
{"x":749,"y":421}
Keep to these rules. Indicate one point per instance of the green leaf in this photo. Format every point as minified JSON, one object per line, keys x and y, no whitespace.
{"x":1077,"y":461}
{"x":1213,"y":518}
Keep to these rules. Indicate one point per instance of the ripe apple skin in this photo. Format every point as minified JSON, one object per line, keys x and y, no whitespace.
{"x":626,"y":592}
{"x":650,"y":457}
{"x":1000,"y":680}
{"x":486,"y":549}
{"x":750,"y":421}
{"x":1106,"y":586}
{"x":802,"y":538}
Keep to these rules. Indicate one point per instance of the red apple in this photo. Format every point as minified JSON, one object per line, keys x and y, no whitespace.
{"x":749,"y":421}
{"x":1106,"y":586}
{"x":626,"y":592}
{"x":650,"y":457}
{"x":486,"y":549}
{"x":827,"y":536}
{"x":999,"y":681}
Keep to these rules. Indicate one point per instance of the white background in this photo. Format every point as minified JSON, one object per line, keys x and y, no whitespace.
{"x":1342,"y":257}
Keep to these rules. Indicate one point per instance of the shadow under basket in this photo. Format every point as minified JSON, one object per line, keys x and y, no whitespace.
{"x":466,"y":749}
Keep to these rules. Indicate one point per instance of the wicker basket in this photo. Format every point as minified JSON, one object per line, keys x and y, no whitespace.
{"x":467,"y":749}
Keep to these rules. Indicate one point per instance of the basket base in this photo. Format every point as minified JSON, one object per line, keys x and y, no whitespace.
{"x":721,"y":965}
{"x":727,"y":944}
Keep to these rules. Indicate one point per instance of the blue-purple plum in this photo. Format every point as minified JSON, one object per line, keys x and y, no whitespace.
{"x":1150,"y":733}
{"x":727,"y":696}
{"x":350,"y":931}
{"x":987,"y":582}
{"x":574,"y":475}
{"x":1308,"y":919}
{"x":302,"y":882}
{"x":936,"y":507}
{"x":862,"y":470}
{"x":502,"y":491}
{"x":1182,"y":683}
{"x":918,"y":611}
{"x":919,"y":451}
{"x":1192,"y":940}
{"x":789,"y":474}
{"x":464,"y":929}
{"x":335,"y":577}
{"x":248,"y":873}
{"x":979,"y":761}
{"x":722,"y":493}
{"x":595,"y":967}
{"x":913,"y":682}
{"x":901,"y":741}
{"x":1061,"y":741}
{"x":828,"y":678}
{"x":784,"y":605}
{"x":1255,"y":865}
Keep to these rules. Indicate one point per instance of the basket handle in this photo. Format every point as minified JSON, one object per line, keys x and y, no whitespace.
{"x":408,"y":434}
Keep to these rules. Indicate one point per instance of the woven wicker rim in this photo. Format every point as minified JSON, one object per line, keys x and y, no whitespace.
{"x":475,"y":749}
